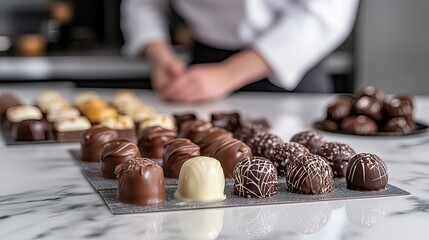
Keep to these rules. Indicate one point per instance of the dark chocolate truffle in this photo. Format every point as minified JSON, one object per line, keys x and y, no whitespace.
{"x":228,"y":121}
{"x":310,"y":139}
{"x":309,"y":174}
{"x":93,"y":140}
{"x":32,"y":130}
{"x":285,"y":153}
{"x":401,"y":125}
{"x":152,"y":141}
{"x":369,"y":107}
{"x":359,"y":125}
{"x":229,"y":153}
{"x":372,"y":92}
{"x":339,"y":109}
{"x":194,"y":130}
{"x":263,"y":144}
{"x":255,"y":177}
{"x":141,"y":182}
{"x":247,"y":133}
{"x":115,"y":153}
{"x":366,"y":172}
{"x":338,"y":156}
{"x":176,"y":152}
{"x":211,"y":138}
{"x":398,"y":107}
{"x":180,"y":118}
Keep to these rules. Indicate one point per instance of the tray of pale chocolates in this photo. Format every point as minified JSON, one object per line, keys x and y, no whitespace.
{"x":369,"y":112}
{"x":224,"y":163}
{"x":54,"y":119}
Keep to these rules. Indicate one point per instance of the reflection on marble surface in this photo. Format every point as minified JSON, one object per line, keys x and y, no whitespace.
{"x":308,"y":218}
{"x":202,"y":224}
{"x":366,"y":213}
{"x":255,"y":222}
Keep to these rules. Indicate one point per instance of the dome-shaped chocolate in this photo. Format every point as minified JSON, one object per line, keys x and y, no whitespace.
{"x":152,"y":141}
{"x":401,"y":125}
{"x":194,"y":130}
{"x":93,"y":140}
{"x":338,"y":156}
{"x":369,"y":107}
{"x":255,"y":177}
{"x":360,"y":124}
{"x":229,"y":121}
{"x":309,"y":174}
{"x":399,"y":107}
{"x":263,"y":144}
{"x":339,"y":109}
{"x":310,"y":139}
{"x":141,"y":182}
{"x":366,"y":172}
{"x":115,"y":153}
{"x":229,"y":153}
{"x":32,"y":130}
{"x":211,"y":139}
{"x":177,"y":152}
{"x":285,"y":153}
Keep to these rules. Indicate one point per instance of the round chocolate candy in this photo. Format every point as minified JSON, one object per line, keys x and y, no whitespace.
{"x":359,"y":125}
{"x":255,"y":177}
{"x":372,"y":92}
{"x":369,"y":107}
{"x":309,"y":174}
{"x":285,"y":153}
{"x":339,"y":109}
{"x":93,"y":140}
{"x":401,"y":125}
{"x":32,"y":130}
{"x":338,"y":156}
{"x":310,"y":139}
{"x":366,"y":172}
{"x":140,"y":182}
{"x":152,"y":141}
{"x":229,"y":153}
{"x":177,"y":152}
{"x":194,"y":130}
{"x":399,"y":107}
{"x":115,"y":153}
{"x":211,"y":139}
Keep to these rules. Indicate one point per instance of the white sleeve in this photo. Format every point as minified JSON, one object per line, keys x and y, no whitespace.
{"x":307,"y":32}
{"x":142,"y":22}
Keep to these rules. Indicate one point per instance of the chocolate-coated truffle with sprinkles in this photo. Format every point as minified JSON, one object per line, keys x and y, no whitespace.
{"x":402,"y":125}
{"x":285,"y":153}
{"x":360,"y":124}
{"x":309,"y":174}
{"x":255,"y":177}
{"x":263,"y":144}
{"x":338,"y":156}
{"x":366,"y":172}
{"x":310,"y":139}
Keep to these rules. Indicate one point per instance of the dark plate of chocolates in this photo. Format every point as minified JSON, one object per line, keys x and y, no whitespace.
{"x":322,"y":125}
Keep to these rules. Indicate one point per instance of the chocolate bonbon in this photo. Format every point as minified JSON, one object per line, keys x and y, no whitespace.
{"x":152,"y":141}
{"x":310,"y":139}
{"x":93,"y":140}
{"x":366,"y":172}
{"x":177,"y":152}
{"x":201,"y":179}
{"x":115,"y":153}
{"x":229,"y":153}
{"x":338,"y":156}
{"x":309,"y":174}
{"x":140,"y":182}
{"x":255,"y":177}
{"x":285,"y":153}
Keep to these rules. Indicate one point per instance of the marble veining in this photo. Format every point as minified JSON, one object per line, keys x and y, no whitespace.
{"x":43,"y":194}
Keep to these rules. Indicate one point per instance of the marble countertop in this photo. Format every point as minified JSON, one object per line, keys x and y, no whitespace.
{"x":43,"y":194}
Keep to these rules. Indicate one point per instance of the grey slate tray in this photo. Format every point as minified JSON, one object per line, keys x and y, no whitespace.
{"x":107,"y":188}
{"x":340,"y":192}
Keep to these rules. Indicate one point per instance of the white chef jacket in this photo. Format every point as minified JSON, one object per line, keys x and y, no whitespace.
{"x":291,"y":35}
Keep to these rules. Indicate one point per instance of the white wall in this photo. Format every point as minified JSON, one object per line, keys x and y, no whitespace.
{"x":393,"y":45}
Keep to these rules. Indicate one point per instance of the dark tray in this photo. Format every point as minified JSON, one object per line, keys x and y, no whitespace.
{"x":420,"y":128}
{"x":340,"y":192}
{"x":107,"y":188}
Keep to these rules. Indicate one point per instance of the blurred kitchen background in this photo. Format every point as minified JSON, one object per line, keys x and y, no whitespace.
{"x":80,"y":41}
